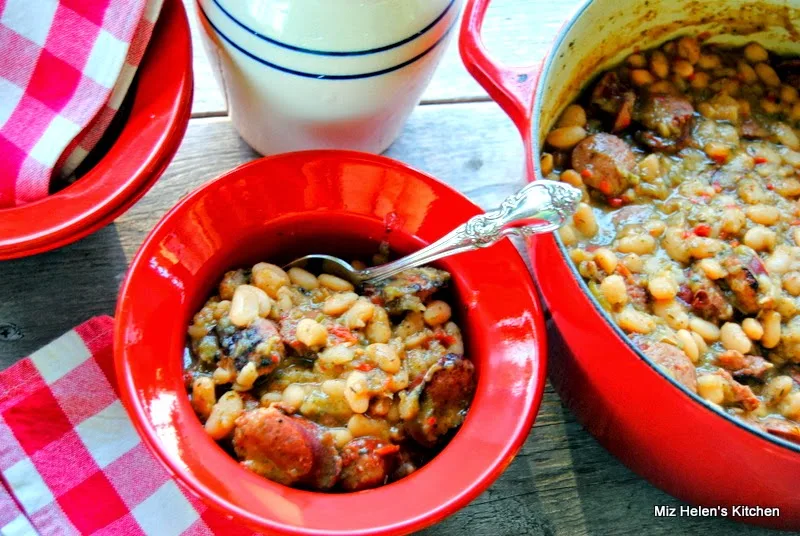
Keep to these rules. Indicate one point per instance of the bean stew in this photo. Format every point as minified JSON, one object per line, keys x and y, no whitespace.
{"x":688,"y":235}
{"x":312,"y":384}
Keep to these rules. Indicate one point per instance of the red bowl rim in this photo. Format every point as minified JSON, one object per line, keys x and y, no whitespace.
{"x":103,"y":193}
{"x":587,"y":296}
{"x":502,"y":459}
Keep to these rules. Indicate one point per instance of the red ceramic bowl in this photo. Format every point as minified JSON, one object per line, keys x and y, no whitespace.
{"x":658,"y":428}
{"x":343,"y":203}
{"x":138,"y":157}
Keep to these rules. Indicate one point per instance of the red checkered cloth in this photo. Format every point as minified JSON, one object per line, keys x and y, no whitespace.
{"x":70,"y":459}
{"x":65,"y":68}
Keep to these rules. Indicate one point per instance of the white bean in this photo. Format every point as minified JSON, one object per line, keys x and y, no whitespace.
{"x":708,"y":331}
{"x":584,"y":220}
{"x":689,"y":345}
{"x":244,"y":306}
{"x":246,"y":377}
{"x":385,"y":357}
{"x":634,"y":321}
{"x":311,"y":333}
{"x":614,"y":290}
{"x":339,"y":303}
{"x":752,"y":328}
{"x":790,"y":407}
{"x":303,"y":278}
{"x":378,"y":329}
{"x":294,"y":395}
{"x":777,"y":389}
{"x":574,"y":116}
{"x":606,"y":259}
{"x":566,"y":137}
{"x":663,"y":287}
{"x":338,"y":355}
{"x":359,"y":314}
{"x":711,"y":387}
{"x":437,"y":312}
{"x":356,"y":392}
{"x":733,"y":337}
{"x":767,"y":74}
{"x":269,"y":278}
{"x":712,"y":269}
{"x":221,"y":421}
{"x":203,"y":396}
{"x":755,"y":53}
{"x":639,"y":244}
{"x":760,"y":238}
{"x":771,"y":321}
{"x":334,"y":283}
{"x":763,"y":214}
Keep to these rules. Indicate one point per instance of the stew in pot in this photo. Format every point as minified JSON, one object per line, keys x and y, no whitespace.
{"x":689,"y":232}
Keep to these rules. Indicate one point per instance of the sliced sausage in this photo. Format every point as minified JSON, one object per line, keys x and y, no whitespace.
{"x":444,"y":400}
{"x":743,"y":269}
{"x":288,"y":450}
{"x":738,"y":392}
{"x":743,"y":365}
{"x":637,"y":292}
{"x":605,"y":163}
{"x":707,"y":300}
{"x":367,"y":463}
{"x":666,"y":115}
{"x":672,"y":359}
{"x":609,"y":93}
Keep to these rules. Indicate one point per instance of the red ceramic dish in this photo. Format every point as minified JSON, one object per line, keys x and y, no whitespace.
{"x":342,"y":203}
{"x":658,"y":428}
{"x":147,"y":143}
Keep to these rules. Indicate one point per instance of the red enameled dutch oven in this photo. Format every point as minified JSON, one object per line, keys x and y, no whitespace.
{"x":140,"y":154}
{"x":665,"y":433}
{"x":343,"y":203}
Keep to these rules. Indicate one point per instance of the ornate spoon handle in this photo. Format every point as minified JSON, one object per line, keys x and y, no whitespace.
{"x":539,"y":207}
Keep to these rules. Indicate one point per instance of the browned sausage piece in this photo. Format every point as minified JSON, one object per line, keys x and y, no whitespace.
{"x":672,"y":359}
{"x":743,"y":268}
{"x":605,"y":163}
{"x":738,"y":392}
{"x":285,"y":449}
{"x":666,"y":115}
{"x":743,"y":365}
{"x":707,"y":300}
{"x":367,"y":463}
{"x":444,"y":399}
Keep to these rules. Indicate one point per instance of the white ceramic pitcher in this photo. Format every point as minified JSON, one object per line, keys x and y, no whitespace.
{"x":324,"y":74}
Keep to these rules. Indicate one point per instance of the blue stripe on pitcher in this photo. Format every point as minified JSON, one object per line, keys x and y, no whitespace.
{"x":334,"y":53}
{"x":324,"y":76}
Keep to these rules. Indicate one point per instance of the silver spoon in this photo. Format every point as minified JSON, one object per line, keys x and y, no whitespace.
{"x":539,"y":207}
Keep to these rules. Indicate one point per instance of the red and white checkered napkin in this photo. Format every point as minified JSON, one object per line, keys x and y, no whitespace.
{"x":65,"y":68}
{"x":70,"y":459}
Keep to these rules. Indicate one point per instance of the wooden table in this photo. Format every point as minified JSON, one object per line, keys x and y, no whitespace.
{"x":562,"y":482}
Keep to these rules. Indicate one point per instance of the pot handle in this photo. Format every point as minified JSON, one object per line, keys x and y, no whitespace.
{"x":513,"y":88}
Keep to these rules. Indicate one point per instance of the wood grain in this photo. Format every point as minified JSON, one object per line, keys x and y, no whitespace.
{"x":209,"y":100}
{"x":562,"y":482}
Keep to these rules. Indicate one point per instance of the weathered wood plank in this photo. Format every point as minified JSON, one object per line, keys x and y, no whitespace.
{"x":516,"y":32}
{"x":208,"y":99}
